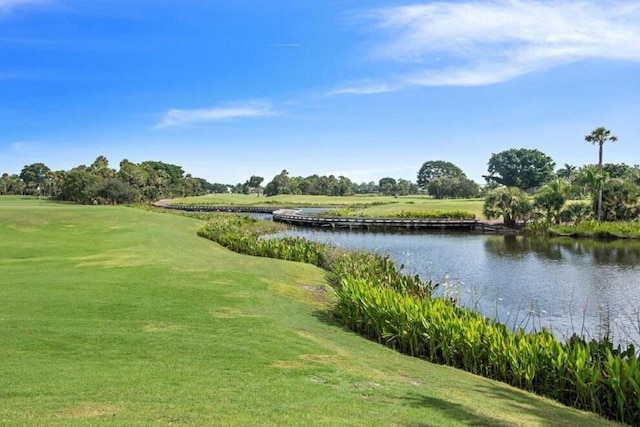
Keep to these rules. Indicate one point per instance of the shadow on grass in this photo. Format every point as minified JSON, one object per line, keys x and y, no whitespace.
{"x":455,"y":412}
{"x":520,"y":401}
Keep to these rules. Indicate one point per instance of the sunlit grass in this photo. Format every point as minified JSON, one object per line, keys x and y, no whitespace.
{"x":370,"y":205}
{"x":118,"y":316}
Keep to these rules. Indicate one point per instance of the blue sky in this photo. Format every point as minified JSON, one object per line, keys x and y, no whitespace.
{"x":361,"y":88}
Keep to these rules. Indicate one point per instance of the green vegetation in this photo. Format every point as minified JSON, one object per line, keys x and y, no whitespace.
{"x":119,"y":316}
{"x":522,"y":168}
{"x":360,"y":213}
{"x":367,"y":205}
{"x":623,"y":230}
{"x":377,"y":301}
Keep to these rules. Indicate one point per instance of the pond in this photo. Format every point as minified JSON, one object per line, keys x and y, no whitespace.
{"x":591,"y":287}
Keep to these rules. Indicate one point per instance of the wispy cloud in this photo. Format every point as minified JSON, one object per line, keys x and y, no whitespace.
{"x":23,"y":147}
{"x":7,"y":5}
{"x":363,"y":88}
{"x":472,"y":43}
{"x":176,"y":117}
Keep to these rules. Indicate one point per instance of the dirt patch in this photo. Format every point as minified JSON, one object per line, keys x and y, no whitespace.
{"x":89,"y":412}
{"x":319,"y":293}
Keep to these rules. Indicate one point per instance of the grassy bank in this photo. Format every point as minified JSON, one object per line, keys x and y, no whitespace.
{"x":605,"y":230}
{"x":367,"y":205}
{"x":117,"y":316}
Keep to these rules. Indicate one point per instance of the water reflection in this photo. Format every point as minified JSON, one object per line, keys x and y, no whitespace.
{"x":600,"y":252}
{"x":568,"y":285}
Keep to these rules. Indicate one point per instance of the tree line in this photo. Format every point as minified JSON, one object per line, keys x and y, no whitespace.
{"x":100,"y":184}
{"x":612,"y":188}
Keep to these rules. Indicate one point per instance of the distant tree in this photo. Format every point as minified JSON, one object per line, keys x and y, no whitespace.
{"x":600,"y":136}
{"x":619,"y":170}
{"x":34,"y":177}
{"x":437,"y":169}
{"x":100,"y":168}
{"x":13,"y":184}
{"x":78,"y":185}
{"x":403,"y":187}
{"x":254,"y":182}
{"x":452,"y":187}
{"x":344,"y":187}
{"x":133,"y":174}
{"x":278,"y":185}
{"x":366,"y":187}
{"x":523,"y":168}
{"x":5,"y":183}
{"x":567,"y":172}
{"x":512,"y":204}
{"x":387,"y":186}
{"x":112,"y":191}
{"x":219,"y":188}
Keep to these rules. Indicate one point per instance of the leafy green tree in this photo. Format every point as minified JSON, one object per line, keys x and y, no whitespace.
{"x":522,"y":168}
{"x":254,"y":182}
{"x":620,"y":200}
{"x":387,"y":186}
{"x":550,"y":199}
{"x":344,"y":187}
{"x":78,"y":185}
{"x":219,"y":188}
{"x":278,"y":185}
{"x":576,"y":213}
{"x":600,"y":136}
{"x":34,"y":177}
{"x":100,"y":168}
{"x":437,"y":169}
{"x":112,"y":191}
{"x":511,"y":203}
{"x":133,"y":174}
{"x":593,"y":180}
{"x":448,"y":187}
{"x":5,"y":183}
{"x":12,"y":184}
{"x":567,"y":172}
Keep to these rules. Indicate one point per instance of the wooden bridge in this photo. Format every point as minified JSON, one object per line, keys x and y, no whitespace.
{"x":293,"y":217}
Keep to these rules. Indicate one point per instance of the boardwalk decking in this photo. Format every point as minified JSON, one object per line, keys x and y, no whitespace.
{"x":294,"y":217}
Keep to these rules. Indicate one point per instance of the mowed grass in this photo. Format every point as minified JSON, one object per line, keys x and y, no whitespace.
{"x":372,"y":205}
{"x":118,"y":316}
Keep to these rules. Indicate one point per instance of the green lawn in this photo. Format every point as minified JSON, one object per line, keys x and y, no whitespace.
{"x":119,"y":316}
{"x":373,"y":205}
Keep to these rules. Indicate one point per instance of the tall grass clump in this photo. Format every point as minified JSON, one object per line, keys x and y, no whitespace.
{"x":376,"y":300}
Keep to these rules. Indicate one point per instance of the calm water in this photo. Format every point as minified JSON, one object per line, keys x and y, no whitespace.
{"x":567,"y":285}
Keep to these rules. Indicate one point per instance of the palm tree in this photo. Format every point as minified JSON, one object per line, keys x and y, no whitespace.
{"x":567,"y":172}
{"x":600,"y":136}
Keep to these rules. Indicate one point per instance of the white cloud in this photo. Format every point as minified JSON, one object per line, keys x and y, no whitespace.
{"x":475,"y":43}
{"x":176,"y":117}
{"x":362,"y":88}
